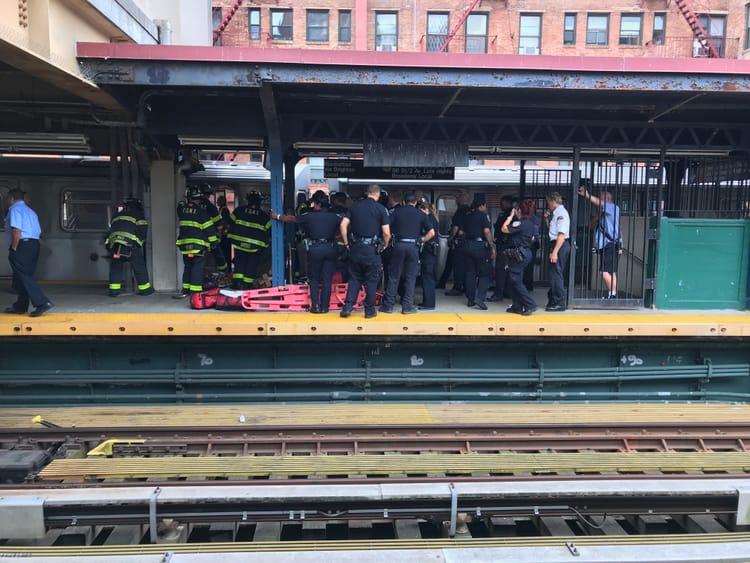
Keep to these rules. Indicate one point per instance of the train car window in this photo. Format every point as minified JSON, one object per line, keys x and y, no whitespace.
{"x":446,"y":208}
{"x":85,"y":209}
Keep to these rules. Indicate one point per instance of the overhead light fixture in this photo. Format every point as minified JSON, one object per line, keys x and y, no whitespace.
{"x":222,"y":142}
{"x":46,"y":143}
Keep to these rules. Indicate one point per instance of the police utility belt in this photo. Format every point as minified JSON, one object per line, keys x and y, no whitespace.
{"x":309,"y":242}
{"x":367,"y":241}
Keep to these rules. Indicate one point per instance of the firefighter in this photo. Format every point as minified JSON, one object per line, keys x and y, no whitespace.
{"x":197,"y":233}
{"x":250,"y":233}
{"x":215,"y":215}
{"x":127,"y":235}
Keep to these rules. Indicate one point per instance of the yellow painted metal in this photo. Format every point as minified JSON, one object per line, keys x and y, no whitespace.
{"x":319,"y":415}
{"x":368,"y":545}
{"x":425,"y":324}
{"x":451,"y":464}
{"x":105,"y":448}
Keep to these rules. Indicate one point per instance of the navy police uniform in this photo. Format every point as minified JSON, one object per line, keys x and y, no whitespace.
{"x":127,"y":235}
{"x":367,"y":218}
{"x":408,"y":224}
{"x":322,"y":253}
{"x":458,"y":251}
{"x":520,"y":237}
{"x":477,"y":257}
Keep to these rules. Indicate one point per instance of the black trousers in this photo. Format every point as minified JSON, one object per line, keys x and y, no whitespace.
{"x":428,"y":262}
{"x":478,"y":268}
{"x":219,"y":258}
{"x":364,"y":271}
{"x":192,"y":273}
{"x":556,"y":293}
{"x":321,"y":263}
{"x":137,"y":262}
{"x":528,"y":273}
{"x":459,"y":265}
{"x":502,"y":279}
{"x":403,"y":262}
{"x":23,"y":263}
{"x":519,"y":294}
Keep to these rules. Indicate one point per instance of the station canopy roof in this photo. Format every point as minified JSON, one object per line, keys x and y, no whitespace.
{"x":322,"y":102}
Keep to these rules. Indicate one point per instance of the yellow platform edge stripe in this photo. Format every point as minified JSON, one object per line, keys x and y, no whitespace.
{"x":491,"y":325}
{"x":414,"y":414}
{"x":359,"y":545}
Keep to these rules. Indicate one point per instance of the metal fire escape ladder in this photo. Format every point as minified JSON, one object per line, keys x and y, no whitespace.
{"x":227,"y":18}
{"x":462,"y":19}
{"x":700,"y":34}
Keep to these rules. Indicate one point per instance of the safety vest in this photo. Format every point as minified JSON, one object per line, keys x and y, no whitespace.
{"x":249,"y":229}
{"x":197,"y":230}
{"x":128,"y":228}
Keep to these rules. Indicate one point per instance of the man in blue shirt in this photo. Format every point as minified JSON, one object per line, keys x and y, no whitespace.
{"x":607,"y":232}
{"x":22,"y":231}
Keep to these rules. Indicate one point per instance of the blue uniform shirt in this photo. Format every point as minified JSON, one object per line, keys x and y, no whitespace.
{"x":475,"y":223}
{"x":408,"y":222}
{"x":367,"y":217}
{"x":320,"y":224}
{"x":608,"y":228}
{"x":20,"y":216}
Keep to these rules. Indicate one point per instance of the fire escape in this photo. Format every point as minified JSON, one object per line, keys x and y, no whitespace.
{"x":461,"y":20}
{"x":226,"y":19}
{"x":706,"y":46}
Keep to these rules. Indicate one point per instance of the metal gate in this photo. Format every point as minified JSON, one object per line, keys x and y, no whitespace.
{"x":630,"y":189}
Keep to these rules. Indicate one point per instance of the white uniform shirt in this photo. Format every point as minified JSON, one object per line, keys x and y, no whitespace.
{"x":559,"y":223}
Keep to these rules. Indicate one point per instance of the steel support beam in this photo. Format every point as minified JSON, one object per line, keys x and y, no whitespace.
{"x":276,"y":165}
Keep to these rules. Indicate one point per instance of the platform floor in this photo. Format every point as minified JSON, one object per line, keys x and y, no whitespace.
{"x":321,"y":415}
{"x":86,"y":310}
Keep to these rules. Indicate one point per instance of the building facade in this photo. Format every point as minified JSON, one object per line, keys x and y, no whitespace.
{"x":631,"y":28}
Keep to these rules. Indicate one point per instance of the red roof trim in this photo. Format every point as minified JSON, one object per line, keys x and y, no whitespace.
{"x":166,"y":53}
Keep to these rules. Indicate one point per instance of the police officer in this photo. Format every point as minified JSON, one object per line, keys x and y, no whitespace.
{"x":194,"y":239}
{"x":127,"y":235}
{"x":249,"y":231}
{"x":502,"y":241}
{"x":213,"y":212}
{"x":456,"y":244}
{"x":409,"y":227}
{"x":520,"y":230}
{"x":558,"y":222}
{"x":322,"y":228}
{"x":339,"y":204}
{"x":370,"y":233}
{"x":428,"y":258}
{"x":479,"y":251}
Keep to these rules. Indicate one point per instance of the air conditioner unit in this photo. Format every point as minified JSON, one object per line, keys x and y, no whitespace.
{"x":529,"y":51}
{"x":698,"y":49}
{"x":385,"y":47}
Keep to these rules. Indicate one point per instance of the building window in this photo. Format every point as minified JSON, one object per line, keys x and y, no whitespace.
{"x":476,"y":33}
{"x":253,"y":23}
{"x":530,"y":34}
{"x":317,"y":25}
{"x":747,"y":26}
{"x":345,"y":26}
{"x":281,"y":25}
{"x":660,"y":29}
{"x":86,"y":209}
{"x":216,"y":22}
{"x":597,"y":29}
{"x":437,"y":31}
{"x":715,"y":27}
{"x":630,"y":29}
{"x":569,"y":29}
{"x":386,"y":31}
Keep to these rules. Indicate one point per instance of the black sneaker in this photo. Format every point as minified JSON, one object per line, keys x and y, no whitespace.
{"x":371,"y":314}
{"x":344,"y":313}
{"x":408,"y":311}
{"x":386,"y":310}
{"x":43,"y":308}
{"x":147,"y":291}
{"x":481,"y":305}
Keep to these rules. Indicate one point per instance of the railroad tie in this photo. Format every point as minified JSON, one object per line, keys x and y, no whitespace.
{"x":450,"y":464}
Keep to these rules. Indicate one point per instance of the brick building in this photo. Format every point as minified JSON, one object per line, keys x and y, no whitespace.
{"x":651,"y":28}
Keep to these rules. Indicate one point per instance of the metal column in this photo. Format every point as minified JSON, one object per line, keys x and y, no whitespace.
{"x":572,"y":207}
{"x":276,"y":167}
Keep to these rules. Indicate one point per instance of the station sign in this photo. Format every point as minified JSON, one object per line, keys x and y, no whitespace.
{"x":355,"y":169}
